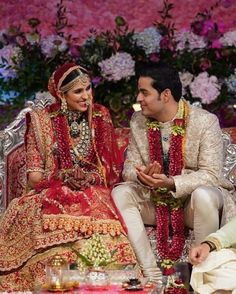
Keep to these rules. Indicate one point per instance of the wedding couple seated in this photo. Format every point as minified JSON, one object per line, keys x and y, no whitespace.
{"x":65,"y":172}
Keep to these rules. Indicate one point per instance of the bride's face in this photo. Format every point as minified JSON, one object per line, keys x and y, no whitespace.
{"x":80,"y":96}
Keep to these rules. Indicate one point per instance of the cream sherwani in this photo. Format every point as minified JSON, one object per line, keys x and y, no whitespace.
{"x":218,"y":271}
{"x":201,"y":184}
{"x":203,"y":157}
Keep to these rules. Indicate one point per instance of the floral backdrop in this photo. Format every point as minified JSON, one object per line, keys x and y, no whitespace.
{"x":100,"y":14}
{"x":196,"y":39}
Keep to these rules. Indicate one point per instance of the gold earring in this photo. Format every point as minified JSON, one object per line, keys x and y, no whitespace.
{"x":63,"y":105}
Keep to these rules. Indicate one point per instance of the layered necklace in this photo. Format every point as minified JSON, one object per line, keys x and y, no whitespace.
{"x":80,"y":132}
{"x":169,"y":211}
{"x":84,"y":144}
{"x":73,"y":151}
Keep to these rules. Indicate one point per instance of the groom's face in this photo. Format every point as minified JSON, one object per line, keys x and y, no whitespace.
{"x":149,"y":98}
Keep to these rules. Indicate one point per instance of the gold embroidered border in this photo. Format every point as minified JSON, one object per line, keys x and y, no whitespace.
{"x":83,"y":225}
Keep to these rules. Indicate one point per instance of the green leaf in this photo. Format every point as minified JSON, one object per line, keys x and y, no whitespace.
{"x":85,"y":259}
{"x":82,"y":257}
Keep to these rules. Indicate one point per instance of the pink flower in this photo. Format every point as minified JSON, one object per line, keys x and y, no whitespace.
{"x":226,"y":3}
{"x":205,"y":87}
{"x":118,"y":66}
{"x":216,"y":44}
{"x":208,"y":25}
{"x":74,"y":51}
{"x":165,"y":43}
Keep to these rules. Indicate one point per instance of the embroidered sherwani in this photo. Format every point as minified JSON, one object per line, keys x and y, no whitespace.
{"x":203,"y":156}
{"x":201,"y":176}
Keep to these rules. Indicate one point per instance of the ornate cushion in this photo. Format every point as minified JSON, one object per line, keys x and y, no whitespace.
{"x":232,"y":133}
{"x":230,"y":156}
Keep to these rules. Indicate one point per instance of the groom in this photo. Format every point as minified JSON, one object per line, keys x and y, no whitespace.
{"x":188,"y":168}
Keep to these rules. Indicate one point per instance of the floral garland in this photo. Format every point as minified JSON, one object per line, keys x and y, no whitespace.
{"x":169,"y":211}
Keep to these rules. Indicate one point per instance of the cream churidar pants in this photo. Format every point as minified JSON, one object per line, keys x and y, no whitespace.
{"x":133,"y":202}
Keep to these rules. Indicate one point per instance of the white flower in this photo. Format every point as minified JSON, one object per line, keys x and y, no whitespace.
{"x":228,"y":39}
{"x":9,"y":53}
{"x":9,"y":56}
{"x":205,"y":87}
{"x":53,"y":44}
{"x":186,"y":79}
{"x":231,"y":83}
{"x":189,"y":41}
{"x":117,"y":67}
{"x":149,"y":40}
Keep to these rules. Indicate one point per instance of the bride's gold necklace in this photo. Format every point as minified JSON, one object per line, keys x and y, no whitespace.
{"x":80,"y":154}
{"x":74,"y":121}
{"x":83,"y":143}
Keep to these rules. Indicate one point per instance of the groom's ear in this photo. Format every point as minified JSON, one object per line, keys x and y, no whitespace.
{"x":166,"y":95}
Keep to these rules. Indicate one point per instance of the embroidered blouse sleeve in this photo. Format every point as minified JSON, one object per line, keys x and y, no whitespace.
{"x":34,"y":160}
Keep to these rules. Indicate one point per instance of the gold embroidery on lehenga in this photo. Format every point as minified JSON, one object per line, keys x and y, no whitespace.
{"x":82,"y":225}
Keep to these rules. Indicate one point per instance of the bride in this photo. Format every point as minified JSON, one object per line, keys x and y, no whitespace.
{"x":72,"y":164}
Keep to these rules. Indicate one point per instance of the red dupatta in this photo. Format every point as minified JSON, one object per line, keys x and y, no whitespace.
{"x":104,"y":143}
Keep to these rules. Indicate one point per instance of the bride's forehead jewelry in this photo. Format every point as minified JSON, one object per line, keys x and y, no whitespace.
{"x":81,"y":78}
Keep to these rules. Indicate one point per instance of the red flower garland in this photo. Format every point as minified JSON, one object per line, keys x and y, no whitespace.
{"x":164,"y":210}
{"x":169,"y":211}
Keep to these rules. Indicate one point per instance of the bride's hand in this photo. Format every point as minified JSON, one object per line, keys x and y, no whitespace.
{"x":79,"y":180}
{"x":78,"y":174}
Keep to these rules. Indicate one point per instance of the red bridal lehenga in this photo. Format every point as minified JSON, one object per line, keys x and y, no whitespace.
{"x":47,"y":220}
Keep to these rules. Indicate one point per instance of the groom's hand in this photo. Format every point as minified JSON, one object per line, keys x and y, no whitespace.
{"x":149,"y":169}
{"x":156,"y":181}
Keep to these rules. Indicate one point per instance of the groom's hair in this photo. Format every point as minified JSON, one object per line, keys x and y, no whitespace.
{"x":164,"y":77}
